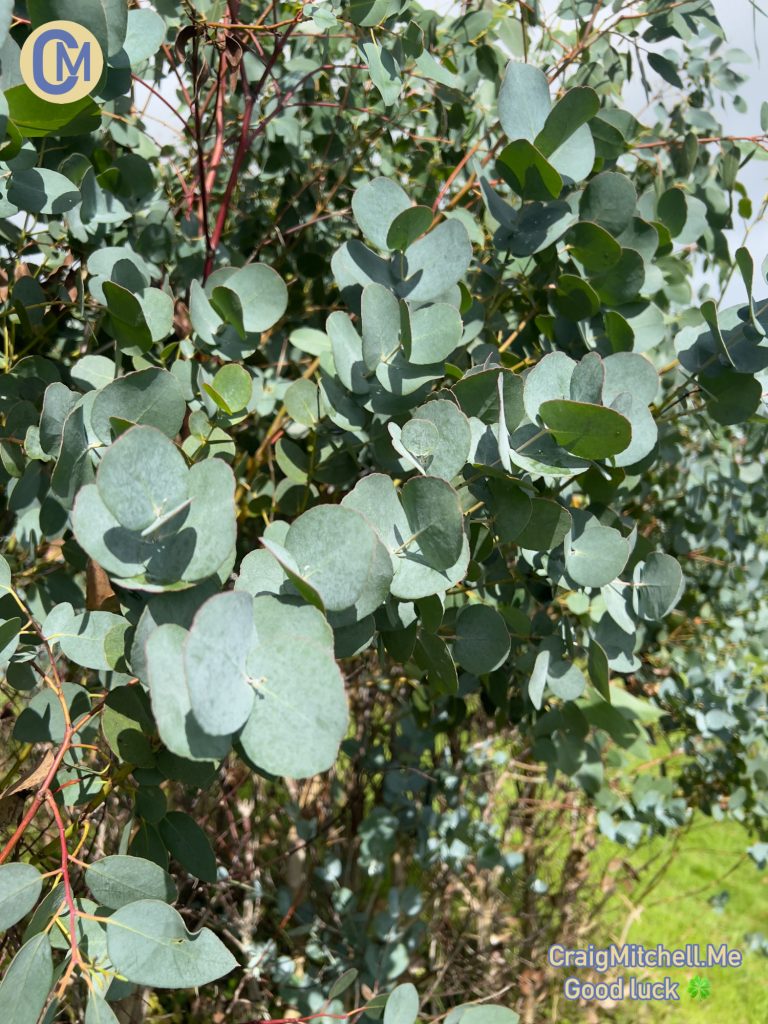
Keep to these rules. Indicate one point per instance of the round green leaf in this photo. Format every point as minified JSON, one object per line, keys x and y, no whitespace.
{"x":609,"y":200}
{"x":178,"y":549}
{"x":414,"y":576}
{"x":564,"y":679}
{"x":658,"y":585}
{"x":381,"y":325}
{"x":347,"y":348}
{"x":41,"y":190}
{"x":376,"y":205}
{"x":408,"y":226}
{"x":119,"y":880}
{"x":575,"y":297}
{"x":433,"y":510}
{"x":58,"y":403}
{"x":127,"y":724}
{"x":435,"y":333}
{"x":83,"y":636}
{"x":588,"y":431}
{"x":478,"y":394}
{"x":623,"y":281}
{"x":731,"y":397}
{"x":151,"y":397}
{"x":145,"y":32}
{"x":252,"y":298}
{"x":20,"y":888}
{"x":563,"y":138}
{"x":221,"y":691}
{"x":547,"y":527}
{"x":482,"y":639}
{"x":588,"y":380}
{"x":550,"y":378}
{"x":644,"y":430}
{"x":402,"y":1006}
{"x":632,"y":372}
{"x":142,"y":478}
{"x":171,"y":704}
{"x":234,"y":385}
{"x":436,"y":262}
{"x":593,"y":246}
{"x":302,"y":402}
{"x":595,"y":555}
{"x":524,"y":101}
{"x":528,"y":173}
{"x":511,"y":508}
{"x":438,"y":438}
{"x":339,"y":554}
{"x":300,"y":715}
{"x":421,"y":438}
{"x":149,"y":944}
{"x":646,"y":323}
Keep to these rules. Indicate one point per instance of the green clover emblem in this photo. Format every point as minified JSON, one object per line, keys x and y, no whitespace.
{"x":699,"y":988}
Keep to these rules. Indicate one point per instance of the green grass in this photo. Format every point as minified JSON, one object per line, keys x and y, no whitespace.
{"x":693,"y":866}
{"x":677,"y":911}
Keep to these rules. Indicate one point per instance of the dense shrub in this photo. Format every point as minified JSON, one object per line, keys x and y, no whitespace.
{"x":383,"y":490}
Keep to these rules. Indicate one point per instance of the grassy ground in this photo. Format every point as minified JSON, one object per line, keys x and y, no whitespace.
{"x":683,"y":908}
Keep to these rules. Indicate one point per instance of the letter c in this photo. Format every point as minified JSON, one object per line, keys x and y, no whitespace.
{"x":51,"y":35}
{"x":556,"y":957}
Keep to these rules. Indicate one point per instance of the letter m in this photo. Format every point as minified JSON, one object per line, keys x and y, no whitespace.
{"x":718,"y":955}
{"x":63,"y":59}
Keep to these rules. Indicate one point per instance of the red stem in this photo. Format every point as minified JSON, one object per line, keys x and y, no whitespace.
{"x":218,"y":147}
{"x":175,"y":69}
{"x":159,"y":96}
{"x":199,"y":148}
{"x":41,"y":795}
{"x":454,"y":175}
{"x":43,"y":792}
{"x":702,"y":140}
{"x":68,"y":896}
{"x":246,"y":138}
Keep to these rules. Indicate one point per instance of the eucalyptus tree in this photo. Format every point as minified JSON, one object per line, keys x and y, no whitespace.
{"x":365,"y":412}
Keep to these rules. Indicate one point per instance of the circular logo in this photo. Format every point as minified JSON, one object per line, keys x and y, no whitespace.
{"x":61,"y":62}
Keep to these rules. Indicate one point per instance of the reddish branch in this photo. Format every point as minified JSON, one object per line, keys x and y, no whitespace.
{"x":197,"y":116}
{"x":68,"y":891}
{"x":247,"y":135}
{"x":218,"y":147}
{"x":45,"y":789}
{"x":175,"y":69}
{"x":34,"y":807}
{"x":70,"y":731}
{"x":44,"y":793}
{"x":454,"y":174}
{"x":703,"y":141}
{"x":158,"y":95}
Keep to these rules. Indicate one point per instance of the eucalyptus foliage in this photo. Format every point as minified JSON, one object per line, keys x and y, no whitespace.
{"x":394,"y":366}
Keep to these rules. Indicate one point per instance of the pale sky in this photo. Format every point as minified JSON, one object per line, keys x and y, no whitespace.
{"x":752,"y":37}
